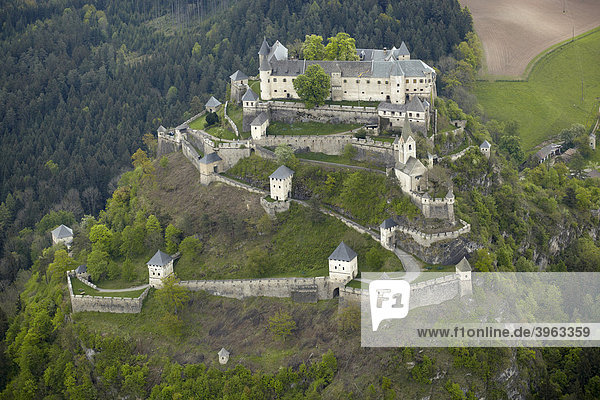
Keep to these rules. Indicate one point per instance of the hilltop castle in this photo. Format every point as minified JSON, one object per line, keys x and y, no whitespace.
{"x":379,"y":75}
{"x":403,"y":87}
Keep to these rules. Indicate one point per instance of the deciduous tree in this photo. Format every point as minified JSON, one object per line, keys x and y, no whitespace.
{"x":313,"y":86}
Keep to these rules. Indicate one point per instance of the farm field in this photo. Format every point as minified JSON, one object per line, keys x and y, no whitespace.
{"x":513,"y":32}
{"x":551,"y":99}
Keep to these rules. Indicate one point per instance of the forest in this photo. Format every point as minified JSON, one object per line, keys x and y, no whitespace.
{"x":83,"y":84}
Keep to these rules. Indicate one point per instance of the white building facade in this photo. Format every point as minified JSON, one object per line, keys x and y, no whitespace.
{"x":159,"y":267}
{"x":343,"y":263}
{"x":281,"y":183}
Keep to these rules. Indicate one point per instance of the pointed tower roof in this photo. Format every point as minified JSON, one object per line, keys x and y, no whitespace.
{"x":249,"y":95}
{"x":388,"y":223}
{"x":282,"y":172}
{"x":403,"y":50}
{"x":212,"y":102}
{"x":264,"y":48}
{"x":406,"y":129}
{"x":210,"y":158}
{"x":450,"y":194}
{"x":463,"y":265}
{"x":223,"y":352}
{"x":485,"y":145}
{"x":161,"y":129}
{"x":62,"y":232}
{"x":343,"y":253}
{"x":160,"y":259}
{"x":238,"y":76}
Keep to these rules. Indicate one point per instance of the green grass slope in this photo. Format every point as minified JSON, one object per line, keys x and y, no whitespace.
{"x":550,"y":99}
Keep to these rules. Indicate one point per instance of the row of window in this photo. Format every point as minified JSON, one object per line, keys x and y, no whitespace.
{"x":399,"y":114}
{"x":358,"y":81}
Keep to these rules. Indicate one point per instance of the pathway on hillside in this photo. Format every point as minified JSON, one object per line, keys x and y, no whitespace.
{"x":131,"y":289}
{"x":411,"y":265}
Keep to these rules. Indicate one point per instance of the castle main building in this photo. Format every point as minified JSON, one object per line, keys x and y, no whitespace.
{"x":380,"y":75}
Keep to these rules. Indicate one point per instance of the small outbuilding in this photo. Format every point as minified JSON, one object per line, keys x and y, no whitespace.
{"x":281,"y":183}
{"x":159,"y":267}
{"x":62,"y":234}
{"x":249,"y":98}
{"x":81,"y":272}
{"x":258,"y":126}
{"x":212,"y":105}
{"x":386,"y":233}
{"x":485,"y":148}
{"x":343,"y":263}
{"x":223,"y":356}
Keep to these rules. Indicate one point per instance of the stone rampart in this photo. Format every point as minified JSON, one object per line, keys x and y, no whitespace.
{"x":427,"y":239}
{"x":231,"y":154}
{"x":332,"y":145}
{"x":105,"y":304}
{"x":427,"y":293}
{"x":191,"y":154}
{"x":274,"y":207}
{"x":202,"y":141}
{"x":231,"y":123}
{"x":239,"y":185}
{"x":322,"y":287}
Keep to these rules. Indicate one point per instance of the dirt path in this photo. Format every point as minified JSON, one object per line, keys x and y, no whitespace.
{"x":131,"y":289}
{"x":513,"y":32}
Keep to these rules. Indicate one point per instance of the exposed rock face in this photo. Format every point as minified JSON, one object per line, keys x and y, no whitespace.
{"x":447,"y":252}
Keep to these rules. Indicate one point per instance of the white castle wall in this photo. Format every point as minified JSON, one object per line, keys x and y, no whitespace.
{"x":105,"y":304}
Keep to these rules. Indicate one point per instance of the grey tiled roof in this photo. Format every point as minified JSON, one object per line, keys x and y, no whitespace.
{"x":223,"y":352}
{"x":249,"y":95}
{"x":62,"y":232}
{"x":406,"y":129}
{"x":161,"y":129}
{"x":403,"y":50}
{"x":183,"y":127}
{"x":260,"y":119}
{"x":264,"y":48}
{"x":485,"y":145}
{"x":343,"y":253}
{"x":82,"y":269}
{"x":210,"y":158}
{"x":415,"y":105}
{"x":413,"y":167}
{"x":160,"y":259}
{"x":212,"y":102}
{"x":282,"y":172}
{"x":463,"y":265}
{"x":238,"y":76}
{"x":547,"y":150}
{"x":388,"y":223}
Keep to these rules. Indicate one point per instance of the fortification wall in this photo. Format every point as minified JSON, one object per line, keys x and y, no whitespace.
{"x":191,"y":154}
{"x":203,"y":142}
{"x":231,"y":123}
{"x":231,"y":155}
{"x":333,"y":145}
{"x":321,"y":287}
{"x":431,"y":292}
{"x":234,"y":183}
{"x":427,"y":239}
{"x":105,"y":304}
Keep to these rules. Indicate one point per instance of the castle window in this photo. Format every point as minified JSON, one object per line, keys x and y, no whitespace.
{"x":429,"y":80}
{"x":274,"y":79}
{"x":397,"y":91}
{"x":386,"y":82}
{"x":363,"y":92}
{"x":284,"y":91}
{"x":421,"y":90}
{"x":357,"y":81}
{"x":276,"y":90}
{"x":414,"y":81}
{"x":285,"y":80}
{"x":381,"y":92}
{"x":410,"y":114}
{"x":397,"y":84}
{"x":379,"y":82}
{"x":368,"y":81}
{"x":345,"y":91}
{"x":345,"y":81}
{"x":407,"y":81}
{"x":159,"y":274}
{"x":268,"y":81}
{"x":420,"y":80}
{"x":410,"y":146}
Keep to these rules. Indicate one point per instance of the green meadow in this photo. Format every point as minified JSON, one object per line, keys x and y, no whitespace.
{"x":551,"y":98}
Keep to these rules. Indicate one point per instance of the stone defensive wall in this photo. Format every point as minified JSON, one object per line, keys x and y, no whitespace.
{"x":230,"y":121}
{"x":441,"y":208}
{"x":299,"y":289}
{"x":427,"y":239}
{"x":191,"y":154}
{"x":427,"y":293}
{"x":239,"y":185}
{"x":105,"y":304}
{"x":367,"y":149}
{"x":289,"y":112}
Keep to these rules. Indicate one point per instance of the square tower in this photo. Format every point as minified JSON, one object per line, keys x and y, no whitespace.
{"x":281,"y":183}
{"x":63,"y":234}
{"x":343,"y":263}
{"x":159,"y":267}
